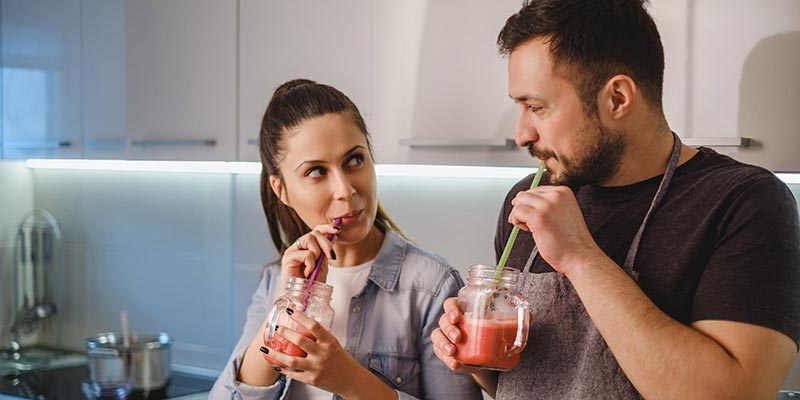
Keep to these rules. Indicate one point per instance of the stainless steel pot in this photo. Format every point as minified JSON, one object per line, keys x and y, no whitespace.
{"x":144,"y":363}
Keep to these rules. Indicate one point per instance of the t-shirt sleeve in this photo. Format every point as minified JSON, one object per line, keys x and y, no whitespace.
{"x":753,"y":274}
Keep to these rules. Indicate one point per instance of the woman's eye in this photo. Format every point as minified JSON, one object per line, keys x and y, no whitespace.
{"x":355,"y":161}
{"x":315,"y":172}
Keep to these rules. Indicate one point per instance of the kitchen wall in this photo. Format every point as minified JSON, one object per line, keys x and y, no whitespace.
{"x":182,"y":252}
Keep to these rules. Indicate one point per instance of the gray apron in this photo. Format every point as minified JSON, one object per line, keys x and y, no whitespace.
{"x":566,"y":357}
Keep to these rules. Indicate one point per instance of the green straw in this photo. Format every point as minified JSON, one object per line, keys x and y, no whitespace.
{"x":515,"y":231}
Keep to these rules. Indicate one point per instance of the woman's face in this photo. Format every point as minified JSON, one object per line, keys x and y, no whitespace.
{"x":328,"y":173}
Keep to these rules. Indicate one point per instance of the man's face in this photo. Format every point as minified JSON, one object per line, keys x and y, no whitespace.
{"x":553,"y":124}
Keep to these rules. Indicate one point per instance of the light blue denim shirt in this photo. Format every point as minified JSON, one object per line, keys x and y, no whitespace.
{"x":388,"y":329}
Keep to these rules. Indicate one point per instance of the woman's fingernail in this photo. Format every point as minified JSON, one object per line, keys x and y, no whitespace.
{"x":333,"y":255}
{"x":289,"y":311}
{"x":337,"y":227}
{"x":278,"y":369}
{"x":264,"y":350}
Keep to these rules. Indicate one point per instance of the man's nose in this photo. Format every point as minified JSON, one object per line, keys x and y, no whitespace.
{"x":525,"y":132}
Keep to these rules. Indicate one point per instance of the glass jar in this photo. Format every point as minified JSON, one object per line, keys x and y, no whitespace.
{"x":314,"y":302}
{"x":495,"y":321}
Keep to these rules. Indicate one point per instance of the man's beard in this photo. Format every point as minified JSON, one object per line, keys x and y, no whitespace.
{"x":601,"y":154}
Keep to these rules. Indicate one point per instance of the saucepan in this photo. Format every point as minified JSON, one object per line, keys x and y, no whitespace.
{"x":143,"y":361}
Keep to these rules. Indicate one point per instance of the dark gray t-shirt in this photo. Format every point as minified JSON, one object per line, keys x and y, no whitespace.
{"x":724,"y":244}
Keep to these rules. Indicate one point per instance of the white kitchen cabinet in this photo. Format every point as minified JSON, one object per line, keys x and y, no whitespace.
{"x":329,"y":42}
{"x":103,"y":60}
{"x":745,"y":81}
{"x":731,"y":72}
{"x":180,"y":79}
{"x":41,"y":78}
{"x":441,"y":84}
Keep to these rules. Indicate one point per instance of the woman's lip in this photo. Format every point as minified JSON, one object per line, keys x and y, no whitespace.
{"x":346,"y":219}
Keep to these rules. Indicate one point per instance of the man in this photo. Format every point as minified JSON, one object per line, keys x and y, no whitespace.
{"x":662,"y":271}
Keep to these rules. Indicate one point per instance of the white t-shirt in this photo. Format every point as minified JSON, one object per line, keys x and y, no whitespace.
{"x":347,"y":282}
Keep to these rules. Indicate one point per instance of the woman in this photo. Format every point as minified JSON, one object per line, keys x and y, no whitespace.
{"x":388,"y":293}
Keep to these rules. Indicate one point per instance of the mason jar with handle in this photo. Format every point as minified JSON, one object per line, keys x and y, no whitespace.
{"x":496,"y":319}
{"x":315,"y":301}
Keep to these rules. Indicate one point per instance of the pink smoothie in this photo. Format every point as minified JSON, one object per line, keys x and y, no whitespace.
{"x":284,"y":346}
{"x":485,"y":342}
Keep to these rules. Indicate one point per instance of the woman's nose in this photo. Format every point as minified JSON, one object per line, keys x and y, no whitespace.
{"x":525,"y":133}
{"x":343,"y":188}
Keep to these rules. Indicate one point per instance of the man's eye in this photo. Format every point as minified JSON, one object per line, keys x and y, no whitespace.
{"x":534,"y":108}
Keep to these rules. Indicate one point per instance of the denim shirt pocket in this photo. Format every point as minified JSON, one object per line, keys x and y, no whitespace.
{"x":399,"y":371}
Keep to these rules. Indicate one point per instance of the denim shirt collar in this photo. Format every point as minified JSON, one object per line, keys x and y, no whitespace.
{"x":386,"y":269}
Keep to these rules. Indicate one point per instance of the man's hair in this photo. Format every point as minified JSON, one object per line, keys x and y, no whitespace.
{"x":590,"y":41}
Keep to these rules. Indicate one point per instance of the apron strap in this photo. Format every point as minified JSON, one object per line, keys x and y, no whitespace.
{"x":662,"y":190}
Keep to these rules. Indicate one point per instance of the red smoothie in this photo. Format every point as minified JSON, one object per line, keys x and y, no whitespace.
{"x":284,"y":346}
{"x":485,"y":344}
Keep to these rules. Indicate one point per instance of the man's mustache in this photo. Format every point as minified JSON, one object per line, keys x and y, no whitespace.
{"x":536,"y":153}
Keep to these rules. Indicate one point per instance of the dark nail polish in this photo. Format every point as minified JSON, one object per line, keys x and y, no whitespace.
{"x":264,"y":350}
{"x":333,"y":255}
{"x":337,"y":228}
{"x":289,"y":311}
{"x":278,"y":369}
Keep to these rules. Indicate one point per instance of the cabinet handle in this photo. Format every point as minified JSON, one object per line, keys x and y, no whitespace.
{"x":492,"y":143}
{"x":40,"y":145}
{"x":104,"y":144}
{"x":173,"y":142}
{"x":717,"y":141}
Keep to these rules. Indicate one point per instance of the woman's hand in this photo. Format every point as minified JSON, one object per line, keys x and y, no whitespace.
{"x":300,"y":258}
{"x":326,"y":365}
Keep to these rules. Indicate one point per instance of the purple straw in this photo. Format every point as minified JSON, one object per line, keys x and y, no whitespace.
{"x":320,"y":260}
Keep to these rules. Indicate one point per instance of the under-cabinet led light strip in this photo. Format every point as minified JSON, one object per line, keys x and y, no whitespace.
{"x":229,"y":167}
{"x":400,"y":170}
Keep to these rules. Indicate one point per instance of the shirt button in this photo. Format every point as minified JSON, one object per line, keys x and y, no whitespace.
{"x":399,"y":380}
{"x":356,"y":308}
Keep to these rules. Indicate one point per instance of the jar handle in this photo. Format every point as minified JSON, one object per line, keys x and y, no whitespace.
{"x":272,"y":319}
{"x":523,"y":323}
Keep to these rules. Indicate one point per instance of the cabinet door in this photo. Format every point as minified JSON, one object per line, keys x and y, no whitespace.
{"x":745,"y":58}
{"x":180,"y":59}
{"x":327,"y":41}
{"x":41,"y":78}
{"x":104,"y":79}
{"x":440,"y":79}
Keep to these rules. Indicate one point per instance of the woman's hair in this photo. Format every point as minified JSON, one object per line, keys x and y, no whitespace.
{"x":293,"y":103}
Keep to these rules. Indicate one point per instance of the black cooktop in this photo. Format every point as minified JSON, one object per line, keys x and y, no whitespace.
{"x":66,"y":384}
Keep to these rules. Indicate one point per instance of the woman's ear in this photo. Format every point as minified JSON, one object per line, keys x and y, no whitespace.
{"x":277,"y":188}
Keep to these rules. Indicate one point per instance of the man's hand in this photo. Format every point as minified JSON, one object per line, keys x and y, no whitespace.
{"x":553,"y":217}
{"x":445,"y":339}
